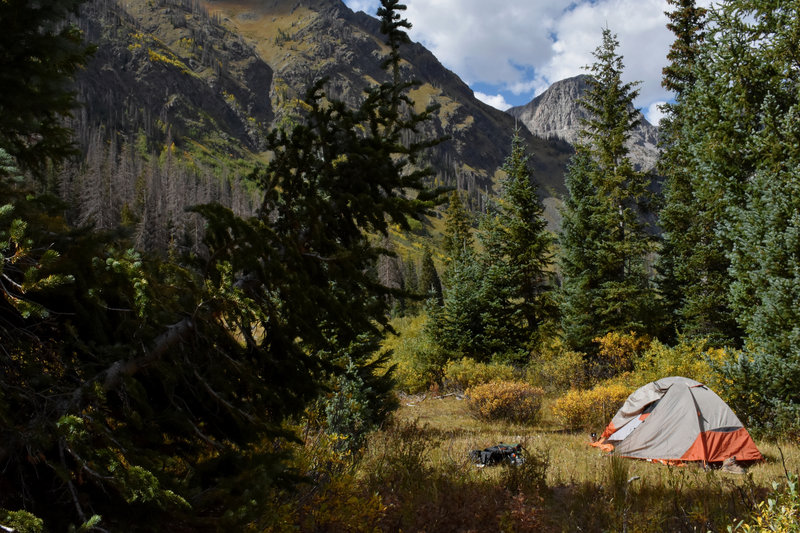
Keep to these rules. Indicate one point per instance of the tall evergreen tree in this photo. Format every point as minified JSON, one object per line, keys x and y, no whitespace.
{"x":622,"y":298}
{"x":458,"y":238}
{"x":579,"y":253}
{"x":458,"y":326}
{"x":430,"y":284}
{"x":692,"y":264}
{"x":516,"y":254}
{"x":40,"y":51}
{"x":762,"y":227}
{"x":152,"y":394}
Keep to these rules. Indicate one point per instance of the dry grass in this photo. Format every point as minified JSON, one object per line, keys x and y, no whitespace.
{"x":416,"y":475}
{"x":588,"y":490}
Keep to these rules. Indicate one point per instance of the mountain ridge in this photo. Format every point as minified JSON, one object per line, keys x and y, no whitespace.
{"x":211,"y":78}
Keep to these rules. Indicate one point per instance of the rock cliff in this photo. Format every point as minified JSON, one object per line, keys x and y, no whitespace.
{"x":557,"y":114}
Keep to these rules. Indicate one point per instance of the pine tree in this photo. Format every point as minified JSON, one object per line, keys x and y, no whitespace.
{"x":763,"y":223}
{"x":458,"y":328}
{"x":516,"y":256}
{"x":622,"y":297}
{"x":41,"y":52}
{"x":152,"y":393}
{"x":430,"y":284}
{"x":579,"y":255}
{"x":692,"y":264}
{"x":457,"y":230}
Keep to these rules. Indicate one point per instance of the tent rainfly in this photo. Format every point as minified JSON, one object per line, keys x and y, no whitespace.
{"x":677,"y":419}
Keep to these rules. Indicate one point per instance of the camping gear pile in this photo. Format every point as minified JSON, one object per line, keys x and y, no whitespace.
{"x":510,"y":454}
{"x":675,"y":420}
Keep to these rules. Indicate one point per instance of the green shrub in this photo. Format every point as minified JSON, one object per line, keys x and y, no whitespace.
{"x":590,"y":409}
{"x":419,"y":360}
{"x":466,"y":372}
{"x":21,"y":521}
{"x":348,"y":411}
{"x":512,"y":401}
{"x":557,"y":371}
{"x":780,"y":512}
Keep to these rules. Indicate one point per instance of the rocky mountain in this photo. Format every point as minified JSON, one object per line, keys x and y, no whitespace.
{"x":213,"y":77}
{"x":557,"y":114}
{"x":191,"y":88}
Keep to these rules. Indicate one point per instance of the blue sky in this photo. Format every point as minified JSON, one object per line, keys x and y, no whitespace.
{"x":509,"y":51}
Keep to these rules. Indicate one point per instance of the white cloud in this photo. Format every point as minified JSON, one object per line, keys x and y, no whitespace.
{"x":484,"y":41}
{"x":519,"y":47}
{"x":497,"y":101}
{"x":640,"y":26}
{"x":653,"y":113}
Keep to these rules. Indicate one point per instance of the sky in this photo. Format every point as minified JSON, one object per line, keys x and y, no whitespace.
{"x":510,"y":51}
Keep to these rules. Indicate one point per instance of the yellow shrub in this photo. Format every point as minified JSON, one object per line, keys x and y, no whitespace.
{"x":619,"y":350}
{"x":466,"y":373}
{"x":412,"y":352}
{"x":689,"y":358}
{"x":590,"y":409}
{"x":513,"y":401}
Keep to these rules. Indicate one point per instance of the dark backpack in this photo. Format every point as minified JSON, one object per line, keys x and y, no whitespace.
{"x":501,"y":454}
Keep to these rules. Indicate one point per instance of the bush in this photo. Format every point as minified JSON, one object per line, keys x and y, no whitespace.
{"x":466,"y":372}
{"x":21,"y":521}
{"x":557,"y":371}
{"x":689,"y":358}
{"x":779,"y":512}
{"x":512,"y":401}
{"x":591,"y":409}
{"x":618,"y":351}
{"x":419,"y":361}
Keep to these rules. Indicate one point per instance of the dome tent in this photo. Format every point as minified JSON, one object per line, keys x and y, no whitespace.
{"x":677,"y":419}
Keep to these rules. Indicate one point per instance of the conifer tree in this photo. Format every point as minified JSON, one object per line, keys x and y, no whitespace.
{"x":41,"y":51}
{"x":516,"y":255}
{"x":430,"y":283}
{"x":458,"y":326}
{"x":149,"y":395}
{"x":579,"y":255}
{"x":692,"y":261}
{"x":622,"y":297}
{"x":458,"y":238}
{"x":306,"y":260}
{"x":753,"y":50}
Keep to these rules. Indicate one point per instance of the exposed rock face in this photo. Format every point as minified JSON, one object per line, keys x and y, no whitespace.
{"x":557,"y":114}
{"x":219,"y":74}
{"x":305,"y":40}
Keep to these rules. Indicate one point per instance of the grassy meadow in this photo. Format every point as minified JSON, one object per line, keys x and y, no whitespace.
{"x":416,"y":475}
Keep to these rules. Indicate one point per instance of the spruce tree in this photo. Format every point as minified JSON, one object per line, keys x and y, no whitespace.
{"x":622,"y":298}
{"x":458,"y":326}
{"x":430,"y":284}
{"x":153,"y":394}
{"x":677,"y":221}
{"x":458,"y":238}
{"x":763,"y":223}
{"x":579,"y":255}
{"x":516,"y":255}
{"x":40,"y":51}
{"x":693,"y":263}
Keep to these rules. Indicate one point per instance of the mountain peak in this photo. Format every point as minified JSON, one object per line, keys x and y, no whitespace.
{"x":557,"y":114}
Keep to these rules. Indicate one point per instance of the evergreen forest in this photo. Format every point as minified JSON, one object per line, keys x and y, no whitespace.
{"x":199,"y":343}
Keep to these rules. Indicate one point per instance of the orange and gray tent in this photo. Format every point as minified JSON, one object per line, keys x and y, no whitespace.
{"x":677,"y":419}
